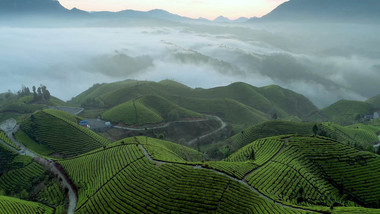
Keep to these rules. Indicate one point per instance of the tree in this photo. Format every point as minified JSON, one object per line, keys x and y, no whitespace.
{"x":315,"y":129}
{"x":274,"y":116}
{"x":252,"y":155}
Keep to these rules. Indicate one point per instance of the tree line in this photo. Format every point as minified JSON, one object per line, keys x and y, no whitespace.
{"x":39,"y":94}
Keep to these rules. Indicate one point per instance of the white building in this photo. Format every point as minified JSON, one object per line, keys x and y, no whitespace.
{"x":376,"y":114}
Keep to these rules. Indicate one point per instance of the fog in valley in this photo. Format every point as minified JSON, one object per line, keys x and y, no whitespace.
{"x":323,"y":62}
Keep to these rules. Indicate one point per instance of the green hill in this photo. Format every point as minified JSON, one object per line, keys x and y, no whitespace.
{"x":16,"y":106}
{"x":266,"y":129}
{"x":361,"y":136}
{"x":374,"y":101}
{"x":55,"y":133}
{"x":10,"y":205}
{"x":343,"y":112}
{"x":18,"y":174}
{"x":255,"y":104}
{"x":229,"y":110}
{"x":139,"y":185}
{"x":146,"y":110}
{"x":311,"y":173}
{"x":317,"y":171}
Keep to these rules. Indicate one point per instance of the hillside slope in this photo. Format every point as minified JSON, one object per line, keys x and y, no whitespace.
{"x":10,"y":205}
{"x":139,"y":185}
{"x":259,"y":104}
{"x":53,"y":132}
{"x":318,"y":171}
{"x":343,"y":112}
{"x":147,"y":109}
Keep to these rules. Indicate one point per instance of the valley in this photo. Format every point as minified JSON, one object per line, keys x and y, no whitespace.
{"x":174,"y":107}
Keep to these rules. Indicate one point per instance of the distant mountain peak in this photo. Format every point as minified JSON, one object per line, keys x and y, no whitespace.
{"x":325,"y":10}
{"x":222,"y":19}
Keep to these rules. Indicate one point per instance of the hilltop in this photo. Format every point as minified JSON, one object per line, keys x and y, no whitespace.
{"x":325,"y":11}
{"x":345,"y":112}
{"x":18,"y":105}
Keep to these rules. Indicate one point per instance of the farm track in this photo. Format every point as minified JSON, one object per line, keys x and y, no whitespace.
{"x":10,"y":127}
{"x":210,"y":117}
{"x":242,"y":181}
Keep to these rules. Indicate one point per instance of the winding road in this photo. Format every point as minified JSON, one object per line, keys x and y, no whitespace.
{"x":10,"y":127}
{"x":209,"y":117}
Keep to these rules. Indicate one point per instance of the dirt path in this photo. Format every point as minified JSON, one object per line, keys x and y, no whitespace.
{"x":10,"y":127}
{"x":209,"y":117}
{"x":222,"y":126}
{"x":159,"y":126}
{"x":243,"y":182}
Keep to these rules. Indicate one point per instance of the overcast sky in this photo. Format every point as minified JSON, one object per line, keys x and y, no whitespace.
{"x":191,"y":8}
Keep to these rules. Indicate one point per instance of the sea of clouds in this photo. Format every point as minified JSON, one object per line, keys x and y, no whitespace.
{"x":324,"y":64}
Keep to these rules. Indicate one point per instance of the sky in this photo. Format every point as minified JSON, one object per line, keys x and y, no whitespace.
{"x":209,"y":9}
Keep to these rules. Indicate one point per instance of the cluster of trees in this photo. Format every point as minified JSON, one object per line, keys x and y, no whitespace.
{"x":39,"y":94}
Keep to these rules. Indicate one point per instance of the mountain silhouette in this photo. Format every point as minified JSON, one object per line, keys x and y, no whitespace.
{"x":28,"y":7}
{"x":325,"y":10}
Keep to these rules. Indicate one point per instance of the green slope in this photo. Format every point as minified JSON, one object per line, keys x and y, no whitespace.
{"x":266,"y":129}
{"x":147,"y":110}
{"x":374,"y":101}
{"x":263,"y":101}
{"x":359,"y":135}
{"x":10,"y":205}
{"x":315,"y":171}
{"x":229,"y":110}
{"x":18,"y":174}
{"x":288,"y":102}
{"x":53,"y":132}
{"x":343,"y":112}
{"x":119,"y":179}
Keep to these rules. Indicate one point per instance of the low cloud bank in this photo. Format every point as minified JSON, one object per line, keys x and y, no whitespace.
{"x":69,"y":61}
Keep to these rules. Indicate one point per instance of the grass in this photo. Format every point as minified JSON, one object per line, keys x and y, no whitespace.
{"x":5,"y":139}
{"x":132,"y":113}
{"x":18,"y":173}
{"x":51,"y":133}
{"x":319,"y":171}
{"x":168,"y":151}
{"x":267,"y":129}
{"x":360,"y":136}
{"x":343,"y":112}
{"x":239,"y":103}
{"x":119,"y":179}
{"x":10,"y":205}
{"x":147,"y":110}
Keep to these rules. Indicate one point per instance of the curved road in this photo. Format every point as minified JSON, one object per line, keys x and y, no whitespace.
{"x":209,"y":117}
{"x":10,"y":127}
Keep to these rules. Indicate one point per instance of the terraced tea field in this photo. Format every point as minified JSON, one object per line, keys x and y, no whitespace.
{"x":57,"y":134}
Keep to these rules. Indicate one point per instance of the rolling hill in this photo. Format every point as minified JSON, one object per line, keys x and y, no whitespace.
{"x":343,"y":112}
{"x":374,"y":101}
{"x":315,"y":171}
{"x":239,"y":103}
{"x":302,"y":174}
{"x":55,"y":133}
{"x":139,"y":185}
{"x":147,"y":109}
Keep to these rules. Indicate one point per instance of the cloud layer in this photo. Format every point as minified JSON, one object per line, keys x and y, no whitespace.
{"x":324,"y":68}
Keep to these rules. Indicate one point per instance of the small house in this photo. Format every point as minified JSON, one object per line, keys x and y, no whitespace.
{"x":83,"y":123}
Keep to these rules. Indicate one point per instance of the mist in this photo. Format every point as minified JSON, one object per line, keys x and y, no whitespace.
{"x":322,"y":62}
